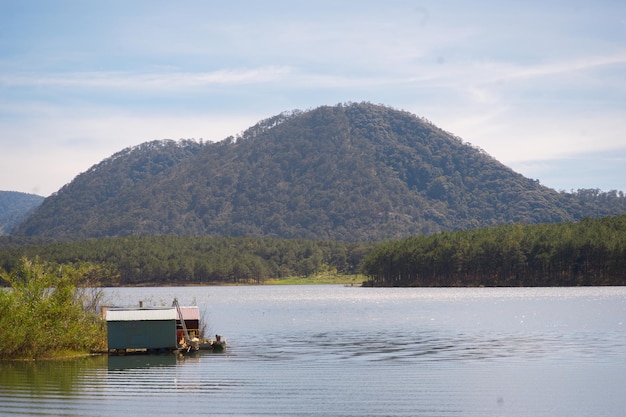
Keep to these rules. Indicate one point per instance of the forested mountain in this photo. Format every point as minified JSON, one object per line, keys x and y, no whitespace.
{"x":15,"y":207}
{"x":351,"y":172}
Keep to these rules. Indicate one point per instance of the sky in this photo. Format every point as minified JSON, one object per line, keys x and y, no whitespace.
{"x":538,"y":85}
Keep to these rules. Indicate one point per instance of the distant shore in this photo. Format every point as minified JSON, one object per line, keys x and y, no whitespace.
{"x":322,"y":279}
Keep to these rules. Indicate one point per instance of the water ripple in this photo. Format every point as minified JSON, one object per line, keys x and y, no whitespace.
{"x":404,"y":347}
{"x":347,"y":352}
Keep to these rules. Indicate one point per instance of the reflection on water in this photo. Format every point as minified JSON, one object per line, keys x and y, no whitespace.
{"x":41,"y":387}
{"x":167,"y":374}
{"x":141,"y":361}
{"x":334,"y":351}
{"x":104,"y":385}
{"x":61,"y":377}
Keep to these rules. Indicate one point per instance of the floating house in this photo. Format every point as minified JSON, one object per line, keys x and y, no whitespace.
{"x":157,"y":329}
{"x":141,"y":328}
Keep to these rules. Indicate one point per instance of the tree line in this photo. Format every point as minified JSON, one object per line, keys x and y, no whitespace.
{"x":585,"y":253}
{"x":166,"y":260}
{"x":589,"y":252}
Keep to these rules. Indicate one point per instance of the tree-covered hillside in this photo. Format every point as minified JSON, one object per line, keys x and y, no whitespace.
{"x":354,"y":172}
{"x":15,"y":207}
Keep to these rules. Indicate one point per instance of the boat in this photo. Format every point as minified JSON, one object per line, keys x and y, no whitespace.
{"x":188,"y":331}
{"x":216,"y":345}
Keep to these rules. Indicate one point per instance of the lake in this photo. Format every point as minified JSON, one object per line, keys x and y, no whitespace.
{"x":351,"y":351}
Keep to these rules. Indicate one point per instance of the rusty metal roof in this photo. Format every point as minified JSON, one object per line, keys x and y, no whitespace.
{"x":189,"y":313}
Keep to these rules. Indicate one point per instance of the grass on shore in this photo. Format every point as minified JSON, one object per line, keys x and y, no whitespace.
{"x":355,"y":280}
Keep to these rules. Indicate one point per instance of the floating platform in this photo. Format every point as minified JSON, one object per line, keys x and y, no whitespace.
{"x":157,"y":330}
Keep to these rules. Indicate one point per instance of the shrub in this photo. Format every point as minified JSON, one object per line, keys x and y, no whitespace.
{"x":45,"y":312}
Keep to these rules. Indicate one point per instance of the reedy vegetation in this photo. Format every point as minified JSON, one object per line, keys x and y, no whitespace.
{"x":45,"y":313}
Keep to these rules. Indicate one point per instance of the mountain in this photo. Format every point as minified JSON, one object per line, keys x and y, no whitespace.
{"x":15,"y":207}
{"x":350,"y":172}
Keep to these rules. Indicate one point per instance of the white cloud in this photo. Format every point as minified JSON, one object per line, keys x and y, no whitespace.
{"x":525,"y":83}
{"x":497,"y":72}
{"x":138,"y":81}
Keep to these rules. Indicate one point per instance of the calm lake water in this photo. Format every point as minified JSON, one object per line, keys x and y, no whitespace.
{"x":348,"y":351}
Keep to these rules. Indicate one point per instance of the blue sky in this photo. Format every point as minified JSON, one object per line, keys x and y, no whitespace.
{"x":539,"y":85}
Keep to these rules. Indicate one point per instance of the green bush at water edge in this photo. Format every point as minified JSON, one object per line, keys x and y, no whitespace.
{"x":45,"y":313}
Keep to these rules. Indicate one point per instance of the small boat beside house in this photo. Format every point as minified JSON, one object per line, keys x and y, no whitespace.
{"x":157,"y":329}
{"x":189,"y":332}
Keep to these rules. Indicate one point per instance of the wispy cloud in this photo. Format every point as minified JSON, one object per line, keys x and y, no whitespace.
{"x":146,"y":80}
{"x":505,"y":71}
{"x":524,"y":82}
